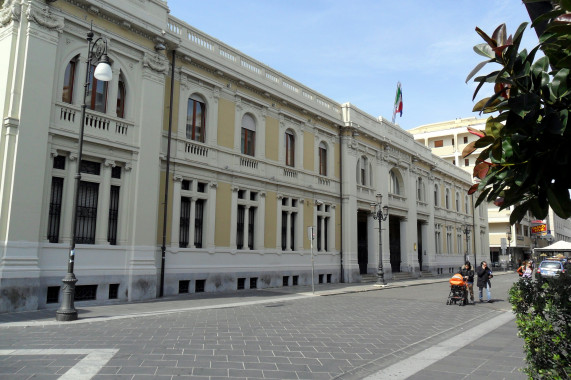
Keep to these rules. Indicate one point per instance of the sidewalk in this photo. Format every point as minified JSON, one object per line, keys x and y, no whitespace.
{"x":200,"y":301}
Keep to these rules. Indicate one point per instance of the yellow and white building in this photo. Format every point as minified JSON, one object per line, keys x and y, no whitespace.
{"x":256,"y":158}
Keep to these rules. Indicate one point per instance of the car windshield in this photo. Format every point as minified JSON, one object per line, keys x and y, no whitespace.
{"x":550,"y":265}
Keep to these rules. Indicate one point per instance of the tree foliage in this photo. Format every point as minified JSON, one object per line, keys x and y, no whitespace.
{"x":543,"y":318}
{"x":526,"y":156}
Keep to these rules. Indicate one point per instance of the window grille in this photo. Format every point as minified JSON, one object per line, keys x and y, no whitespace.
{"x":54,"y":217}
{"x":184,"y":222}
{"x":284,"y":230}
{"x":240,"y":227}
{"x":85,"y":292}
{"x":251,"y":227}
{"x":198,"y":222}
{"x":199,"y":286}
{"x":86,"y":213}
{"x":319,"y":232}
{"x":113,"y":215}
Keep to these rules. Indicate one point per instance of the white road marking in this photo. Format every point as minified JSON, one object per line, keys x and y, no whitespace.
{"x":85,"y":369}
{"x":413,"y":364}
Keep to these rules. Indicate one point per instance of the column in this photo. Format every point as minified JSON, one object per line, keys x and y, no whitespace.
{"x":233,"y":217}
{"x":102,"y":223}
{"x":125,"y":217}
{"x":112,"y":88}
{"x":322,"y":227}
{"x":68,"y":194}
{"x":260,"y":223}
{"x":209,"y":217}
{"x":175,"y":231}
{"x":279,"y":224}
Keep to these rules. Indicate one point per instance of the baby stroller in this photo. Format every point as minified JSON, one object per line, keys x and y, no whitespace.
{"x":458,"y":291}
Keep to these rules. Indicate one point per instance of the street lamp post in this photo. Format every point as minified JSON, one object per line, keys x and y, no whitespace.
{"x":509,"y":237}
{"x":96,"y":55}
{"x":466,"y":230}
{"x":380,"y":213}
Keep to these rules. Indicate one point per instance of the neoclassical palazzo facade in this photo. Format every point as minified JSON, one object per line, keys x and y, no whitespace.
{"x":256,"y":162}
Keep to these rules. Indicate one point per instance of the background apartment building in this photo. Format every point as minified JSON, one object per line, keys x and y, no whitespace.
{"x":448,"y":140}
{"x":256,"y":159}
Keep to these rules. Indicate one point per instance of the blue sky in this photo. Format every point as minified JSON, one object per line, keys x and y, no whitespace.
{"x":356,"y":51}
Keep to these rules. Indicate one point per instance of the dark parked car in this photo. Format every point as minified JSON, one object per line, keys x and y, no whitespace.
{"x":550,"y":268}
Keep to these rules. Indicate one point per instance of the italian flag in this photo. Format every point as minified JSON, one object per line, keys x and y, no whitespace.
{"x":398,"y":102}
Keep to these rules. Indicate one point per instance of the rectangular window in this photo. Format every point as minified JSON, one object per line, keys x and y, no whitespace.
{"x":322,"y":161}
{"x":54,"y":218}
{"x":184,"y":222}
{"x":86,"y":212}
{"x":59,"y":162}
{"x":85,"y":292}
{"x":465,"y":139}
{"x":292,"y":231}
{"x":438,"y":143}
{"x":199,"y":286}
{"x":240,"y":227}
{"x":53,"y":294}
{"x":248,"y":141}
{"x":289,"y":149}
{"x":113,"y":291}
{"x":284,"y":230}
{"x":318,"y":237}
{"x":90,"y":167}
{"x":452,"y":141}
{"x":241,"y":283}
{"x":198,"y":222}
{"x":113,"y":215}
{"x":251,"y":224}
{"x":183,"y":286}
{"x":325,"y":233}
{"x":68,"y":79}
{"x":466,"y":162}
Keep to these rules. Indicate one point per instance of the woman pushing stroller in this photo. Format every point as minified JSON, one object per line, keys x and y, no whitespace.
{"x":468,"y":273}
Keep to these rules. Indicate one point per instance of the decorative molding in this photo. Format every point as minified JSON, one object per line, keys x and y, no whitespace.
{"x":11,"y":12}
{"x":46,"y":19}
{"x":156,"y":62}
{"x":109,"y":163}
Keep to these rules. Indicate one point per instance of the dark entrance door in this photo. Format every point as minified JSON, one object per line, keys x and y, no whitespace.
{"x":419,"y":240}
{"x":362,"y":251}
{"x":394,"y":241}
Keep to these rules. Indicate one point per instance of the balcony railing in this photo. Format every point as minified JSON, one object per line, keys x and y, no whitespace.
{"x":96,"y":124}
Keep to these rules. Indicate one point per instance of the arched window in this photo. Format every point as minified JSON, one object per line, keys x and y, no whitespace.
{"x":362,"y":166}
{"x":289,"y":148}
{"x":248,"y":135}
{"x":457,"y":202}
{"x":394,"y":183}
{"x":436,"y":195}
{"x":121,"y":94}
{"x":419,"y":189}
{"x":68,"y":81}
{"x":322,"y":159}
{"x":447,"y":199}
{"x":195,"y":118}
{"x":466,"y":203}
{"x":97,"y":94}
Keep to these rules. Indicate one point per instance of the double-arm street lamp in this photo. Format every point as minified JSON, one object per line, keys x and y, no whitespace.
{"x":466,"y":228}
{"x":380,"y":213}
{"x":96,"y":55}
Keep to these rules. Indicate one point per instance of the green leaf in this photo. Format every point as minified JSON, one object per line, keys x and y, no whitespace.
{"x":484,"y":141}
{"x":559,"y":83}
{"x":493,"y":128}
{"x":485,"y":50}
{"x":559,"y":201}
{"x":476,"y":69}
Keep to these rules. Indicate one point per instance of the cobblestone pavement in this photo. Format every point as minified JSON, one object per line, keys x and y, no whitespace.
{"x":341,"y":331}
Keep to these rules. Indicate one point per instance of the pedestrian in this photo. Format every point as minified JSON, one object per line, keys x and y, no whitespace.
{"x":521,"y":268}
{"x":484,"y":275}
{"x":528,"y":271}
{"x":468,"y":273}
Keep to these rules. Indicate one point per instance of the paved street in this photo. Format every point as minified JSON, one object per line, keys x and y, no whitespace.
{"x":342,"y":331}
